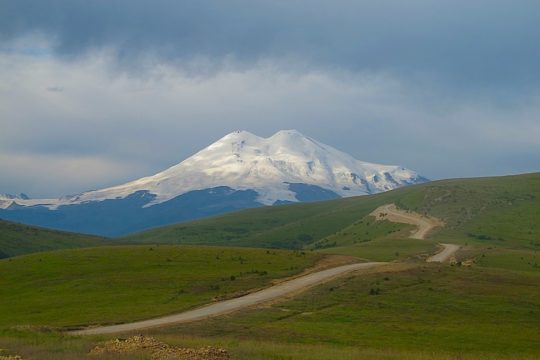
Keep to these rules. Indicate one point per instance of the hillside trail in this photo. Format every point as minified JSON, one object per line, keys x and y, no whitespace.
{"x":424,"y":225}
{"x":445,"y":254}
{"x":324,"y":272}
{"x":223,"y":307}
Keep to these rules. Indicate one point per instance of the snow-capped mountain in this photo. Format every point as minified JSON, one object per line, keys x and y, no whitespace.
{"x":254,"y":171}
{"x":242,"y":160}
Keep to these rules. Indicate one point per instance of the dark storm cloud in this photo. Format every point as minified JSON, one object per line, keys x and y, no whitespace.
{"x":485,"y":43}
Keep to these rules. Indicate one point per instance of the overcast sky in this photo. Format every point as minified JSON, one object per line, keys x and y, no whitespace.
{"x":95,"y":93}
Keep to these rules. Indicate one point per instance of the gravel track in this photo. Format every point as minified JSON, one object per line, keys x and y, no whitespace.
{"x":227,"y":306}
{"x":290,"y":287}
{"x":424,"y":225}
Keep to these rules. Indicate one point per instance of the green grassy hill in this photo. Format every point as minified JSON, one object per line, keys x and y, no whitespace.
{"x":501,"y":211}
{"x":17,"y":239}
{"x":106,"y":285}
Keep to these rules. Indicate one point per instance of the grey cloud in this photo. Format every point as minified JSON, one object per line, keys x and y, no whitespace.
{"x":55,"y":175}
{"x":448,"y":88}
{"x":136,"y":126}
{"x":474,"y":44}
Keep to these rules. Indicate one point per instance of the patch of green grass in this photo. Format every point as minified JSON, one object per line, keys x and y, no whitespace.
{"x":386,"y":249}
{"x":117,"y":284}
{"x":271,"y":350}
{"x":51,"y":345}
{"x":467,"y":312}
{"x":362,"y":231}
{"x":515,"y":260}
{"x":376,"y":241}
{"x":18,"y":239}
{"x":38,"y":345}
{"x":287,"y":226}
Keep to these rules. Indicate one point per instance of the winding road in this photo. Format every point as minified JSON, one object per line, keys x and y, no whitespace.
{"x":290,"y":287}
{"x":445,"y":254}
{"x":424,"y":225}
{"x":223,"y":307}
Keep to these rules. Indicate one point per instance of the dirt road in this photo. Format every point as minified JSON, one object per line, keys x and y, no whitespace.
{"x":447,"y":252}
{"x":424,"y":225}
{"x":391,"y":213}
{"x":277,"y":291}
{"x":290,"y":287}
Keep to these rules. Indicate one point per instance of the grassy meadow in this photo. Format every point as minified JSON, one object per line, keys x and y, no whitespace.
{"x":107,"y":285}
{"x":409,"y":311}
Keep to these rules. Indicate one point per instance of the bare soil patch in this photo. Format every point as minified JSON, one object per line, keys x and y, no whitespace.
{"x":157,"y":350}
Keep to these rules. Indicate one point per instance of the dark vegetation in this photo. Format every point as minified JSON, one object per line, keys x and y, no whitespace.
{"x":17,"y":239}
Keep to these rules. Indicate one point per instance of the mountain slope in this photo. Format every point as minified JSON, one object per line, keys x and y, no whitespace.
{"x":18,"y":239}
{"x":121,"y":216}
{"x":500,"y":211}
{"x":243,"y":161}
{"x":241,"y":170}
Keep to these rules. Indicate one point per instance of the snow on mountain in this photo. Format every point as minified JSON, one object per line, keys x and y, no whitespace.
{"x":241,"y":160}
{"x":7,"y":199}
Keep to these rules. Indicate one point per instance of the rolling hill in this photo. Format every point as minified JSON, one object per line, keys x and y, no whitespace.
{"x":18,"y":239}
{"x":499,"y":211}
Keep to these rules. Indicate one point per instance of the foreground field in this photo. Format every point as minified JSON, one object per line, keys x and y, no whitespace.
{"x":277,"y":292}
{"x":55,"y":346}
{"x":107,"y":285}
{"x":429,"y":309}
{"x":409,"y":311}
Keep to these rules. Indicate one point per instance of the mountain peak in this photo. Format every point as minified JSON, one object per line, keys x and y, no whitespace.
{"x":241,"y":132}
{"x":281,"y":134}
{"x":271,"y":167}
{"x":238,"y":135}
{"x":289,"y":132}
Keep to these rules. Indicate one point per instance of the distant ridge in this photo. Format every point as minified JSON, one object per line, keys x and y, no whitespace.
{"x":19,"y":239}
